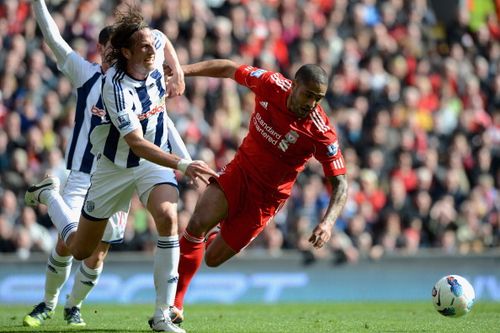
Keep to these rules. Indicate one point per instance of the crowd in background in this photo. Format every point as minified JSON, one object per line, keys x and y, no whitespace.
{"x":415,"y":101}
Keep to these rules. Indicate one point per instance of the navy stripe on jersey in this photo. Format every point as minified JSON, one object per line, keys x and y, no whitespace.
{"x":88,"y":157}
{"x":142,"y":92}
{"x":118,"y":90}
{"x":81,"y":105}
{"x":157,"y":76}
{"x":159,"y":130}
{"x":169,"y":146}
{"x":111,"y":145}
{"x":132,"y":158}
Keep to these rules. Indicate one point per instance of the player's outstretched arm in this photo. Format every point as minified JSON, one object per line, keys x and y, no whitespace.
{"x":222,"y":68}
{"x":196,"y":170}
{"x":323,"y":231}
{"x":176,"y":84}
{"x":51,"y":32}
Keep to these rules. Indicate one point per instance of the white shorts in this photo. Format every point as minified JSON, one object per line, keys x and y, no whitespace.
{"x":73,"y":194}
{"x":112,"y":187}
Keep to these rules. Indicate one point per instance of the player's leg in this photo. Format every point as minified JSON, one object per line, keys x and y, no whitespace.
{"x":211,"y":208}
{"x":61,"y":210}
{"x":80,"y":238}
{"x":110,"y":191}
{"x":253,"y":213}
{"x":162,"y":204}
{"x":89,"y":272}
{"x":57,"y":272}
{"x":157,"y":189}
{"x":47,"y":192}
{"x":86,"y":278}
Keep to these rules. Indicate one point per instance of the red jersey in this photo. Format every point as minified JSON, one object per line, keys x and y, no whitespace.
{"x":279,"y":143}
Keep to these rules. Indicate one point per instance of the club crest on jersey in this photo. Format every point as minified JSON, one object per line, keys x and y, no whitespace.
{"x":123,"y":121}
{"x":292,"y":136}
{"x":333,"y":149}
{"x":258,"y":73}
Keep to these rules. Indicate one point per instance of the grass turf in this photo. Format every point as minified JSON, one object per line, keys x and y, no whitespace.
{"x":303,"y":318}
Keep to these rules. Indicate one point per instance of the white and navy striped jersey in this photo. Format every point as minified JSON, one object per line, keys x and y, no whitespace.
{"x":131,"y":104}
{"x":87,"y":78}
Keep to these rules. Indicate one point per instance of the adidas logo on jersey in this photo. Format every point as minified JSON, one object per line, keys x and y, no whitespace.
{"x":264,"y":105}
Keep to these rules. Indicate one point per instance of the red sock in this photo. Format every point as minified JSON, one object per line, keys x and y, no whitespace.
{"x":192,"y":250}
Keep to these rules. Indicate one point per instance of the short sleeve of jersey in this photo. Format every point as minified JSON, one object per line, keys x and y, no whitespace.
{"x":328,"y":151}
{"x":261,"y":81}
{"x":79,"y":70}
{"x":159,"y":39}
{"x":119,"y":104}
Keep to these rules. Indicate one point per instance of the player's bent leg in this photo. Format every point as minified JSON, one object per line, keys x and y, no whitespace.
{"x":218,"y":252}
{"x":33,"y":195}
{"x":84,"y":241}
{"x":210,"y":209}
{"x":57,"y":273}
{"x":86,"y":278}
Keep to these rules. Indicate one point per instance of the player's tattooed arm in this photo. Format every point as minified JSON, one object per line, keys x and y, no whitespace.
{"x":323,"y":231}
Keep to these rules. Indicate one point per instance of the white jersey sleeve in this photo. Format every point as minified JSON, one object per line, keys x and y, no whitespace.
{"x":78,"y":70}
{"x":160,"y":39}
{"x":50,"y":31}
{"x":174,"y":142}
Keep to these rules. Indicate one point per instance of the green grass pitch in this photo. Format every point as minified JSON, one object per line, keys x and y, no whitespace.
{"x":303,"y":318}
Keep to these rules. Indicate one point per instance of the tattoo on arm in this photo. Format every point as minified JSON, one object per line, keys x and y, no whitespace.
{"x":337,"y":200}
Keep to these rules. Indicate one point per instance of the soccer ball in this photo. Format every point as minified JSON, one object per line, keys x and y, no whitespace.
{"x":453,"y":296}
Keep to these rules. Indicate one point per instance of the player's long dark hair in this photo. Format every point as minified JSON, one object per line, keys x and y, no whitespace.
{"x":127,"y":23}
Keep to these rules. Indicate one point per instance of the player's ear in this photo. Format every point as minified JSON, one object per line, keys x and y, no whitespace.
{"x":126,"y":53}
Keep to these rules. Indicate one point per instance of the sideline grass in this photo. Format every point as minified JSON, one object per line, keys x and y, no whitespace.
{"x":289,"y":318}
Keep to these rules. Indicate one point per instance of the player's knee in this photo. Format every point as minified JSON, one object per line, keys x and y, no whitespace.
{"x":81,"y":254}
{"x":166,"y":216}
{"x":95,"y":260}
{"x":62,"y":249}
{"x":197,"y":225}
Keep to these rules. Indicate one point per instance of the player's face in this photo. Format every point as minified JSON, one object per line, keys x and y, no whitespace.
{"x":305,"y":97}
{"x":141,"y":55}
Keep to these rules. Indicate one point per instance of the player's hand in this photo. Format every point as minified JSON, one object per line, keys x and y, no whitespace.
{"x":176,"y":85}
{"x":321,"y":235}
{"x":167,"y":71}
{"x":199,"y":171}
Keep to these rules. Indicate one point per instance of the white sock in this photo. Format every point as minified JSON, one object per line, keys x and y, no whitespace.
{"x":85,"y":280}
{"x":166,"y":262}
{"x":60,"y":213}
{"x":58,"y":270}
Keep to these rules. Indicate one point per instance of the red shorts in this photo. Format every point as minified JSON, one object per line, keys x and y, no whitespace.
{"x":251,"y":207}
